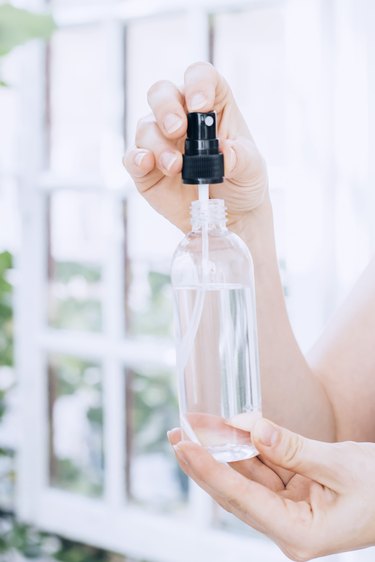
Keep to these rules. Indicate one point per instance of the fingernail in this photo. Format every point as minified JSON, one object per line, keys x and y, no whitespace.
{"x":139,"y":157}
{"x":197,"y":101}
{"x":180,"y":454}
{"x":265,"y":432}
{"x":169,"y":433}
{"x":172,"y":122}
{"x":167,"y":159}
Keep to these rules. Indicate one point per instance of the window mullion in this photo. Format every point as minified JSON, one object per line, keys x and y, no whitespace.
{"x":113,"y":380}
{"x":30,"y":302}
{"x":113,"y":269}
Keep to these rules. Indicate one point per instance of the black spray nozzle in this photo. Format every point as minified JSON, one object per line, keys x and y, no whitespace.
{"x":202,"y":161}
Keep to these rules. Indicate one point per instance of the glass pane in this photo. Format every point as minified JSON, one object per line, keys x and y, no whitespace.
{"x":153,"y":476}
{"x":149,"y":253}
{"x":149,"y":301}
{"x":78,"y":224}
{"x":76,"y":425}
{"x":78,"y":70}
{"x":249,"y":49}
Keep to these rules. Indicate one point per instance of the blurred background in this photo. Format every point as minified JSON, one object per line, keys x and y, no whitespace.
{"x":87,"y":378}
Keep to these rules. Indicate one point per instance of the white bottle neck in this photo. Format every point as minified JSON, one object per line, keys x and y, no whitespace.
{"x":211,"y":212}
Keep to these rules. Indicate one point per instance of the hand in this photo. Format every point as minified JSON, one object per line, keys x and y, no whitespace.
{"x":328,"y":506}
{"x":155,"y":162}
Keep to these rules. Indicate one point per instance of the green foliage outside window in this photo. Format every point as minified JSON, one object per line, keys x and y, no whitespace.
{"x":6,"y":315}
{"x":155,"y":318}
{"x":70,"y":312}
{"x":18,"y":26}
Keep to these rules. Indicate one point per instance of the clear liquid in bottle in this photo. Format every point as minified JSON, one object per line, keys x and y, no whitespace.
{"x":217,"y":348}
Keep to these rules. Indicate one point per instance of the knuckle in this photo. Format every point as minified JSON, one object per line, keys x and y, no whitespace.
{"x":235,"y":505}
{"x":143,"y":125}
{"x":230,"y":507}
{"x":225,"y":505}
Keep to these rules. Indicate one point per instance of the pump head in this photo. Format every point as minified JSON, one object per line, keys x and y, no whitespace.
{"x":202,"y":161}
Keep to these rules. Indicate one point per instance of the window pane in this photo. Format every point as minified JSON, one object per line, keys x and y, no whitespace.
{"x":78,"y":224}
{"x":153,"y":477}
{"x":78,"y":66}
{"x":76,"y":425}
{"x":73,"y":296}
{"x":149,"y":302}
{"x":149,"y":251}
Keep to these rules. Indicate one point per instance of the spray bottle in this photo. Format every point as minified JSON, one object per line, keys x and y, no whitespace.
{"x":216,"y":333}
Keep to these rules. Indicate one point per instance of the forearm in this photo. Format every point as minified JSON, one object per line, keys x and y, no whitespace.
{"x":292,"y":395}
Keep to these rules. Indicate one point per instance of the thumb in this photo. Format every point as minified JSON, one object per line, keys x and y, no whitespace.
{"x":315,"y":459}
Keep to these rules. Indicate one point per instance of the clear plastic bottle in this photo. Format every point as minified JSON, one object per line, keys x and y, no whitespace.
{"x":217,"y":348}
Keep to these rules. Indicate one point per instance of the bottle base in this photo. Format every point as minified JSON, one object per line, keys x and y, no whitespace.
{"x":232,"y":453}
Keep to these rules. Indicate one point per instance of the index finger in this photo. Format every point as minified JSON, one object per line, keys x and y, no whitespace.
{"x":253,"y":503}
